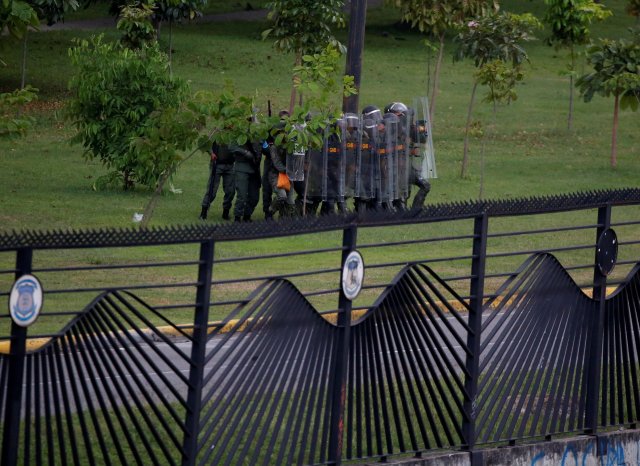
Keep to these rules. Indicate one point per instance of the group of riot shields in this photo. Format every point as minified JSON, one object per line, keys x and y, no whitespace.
{"x":374,"y":159}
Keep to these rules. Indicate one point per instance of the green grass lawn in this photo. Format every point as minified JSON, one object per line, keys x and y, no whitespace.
{"x":46,"y":184}
{"x":527,"y":150}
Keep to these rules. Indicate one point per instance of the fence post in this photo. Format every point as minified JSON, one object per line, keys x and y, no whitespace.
{"x":341,"y":358}
{"x":198,"y":350}
{"x":17,"y":352}
{"x":595,"y":350}
{"x":478,"y":264}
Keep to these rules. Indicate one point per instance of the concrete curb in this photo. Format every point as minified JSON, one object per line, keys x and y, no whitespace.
{"x":34,"y":344}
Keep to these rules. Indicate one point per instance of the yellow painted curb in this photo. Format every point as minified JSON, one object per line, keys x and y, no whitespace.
{"x":34,"y":344}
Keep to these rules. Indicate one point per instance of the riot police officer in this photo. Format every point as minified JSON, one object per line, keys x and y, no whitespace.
{"x":401,"y":160}
{"x":247,"y":179}
{"x":409,"y":159}
{"x":283,"y":203}
{"x":220,"y":168}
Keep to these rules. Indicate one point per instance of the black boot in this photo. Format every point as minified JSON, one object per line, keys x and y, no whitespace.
{"x":246,"y":218}
{"x":225,"y":214}
{"x":203,"y":213}
{"x":237,"y":219}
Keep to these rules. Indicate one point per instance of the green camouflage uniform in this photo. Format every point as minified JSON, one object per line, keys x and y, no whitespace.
{"x":246,"y":171}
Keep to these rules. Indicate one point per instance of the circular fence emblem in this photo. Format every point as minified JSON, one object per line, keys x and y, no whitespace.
{"x":25,"y":300}
{"x":352,"y":275}
{"x":607,"y":251}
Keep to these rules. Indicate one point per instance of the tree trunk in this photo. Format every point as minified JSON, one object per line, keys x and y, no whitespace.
{"x":436,"y":79}
{"x":573,"y":67}
{"x":292,"y":99}
{"x":23,"y":80}
{"x":156,"y":23}
{"x":170,"y":46}
{"x":614,"y":132}
{"x":465,"y":157}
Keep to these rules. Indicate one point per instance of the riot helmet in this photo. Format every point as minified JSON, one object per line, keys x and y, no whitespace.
{"x":372,"y":112}
{"x":353,"y":121}
{"x":396,"y":107}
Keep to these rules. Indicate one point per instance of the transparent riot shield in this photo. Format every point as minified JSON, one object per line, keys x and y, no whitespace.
{"x":402,"y":164}
{"x":295,"y":163}
{"x":334,"y":179}
{"x":350,"y":139}
{"x":386,"y":191}
{"x":315,"y":175}
{"x":366,"y":160}
{"x":423,"y":163}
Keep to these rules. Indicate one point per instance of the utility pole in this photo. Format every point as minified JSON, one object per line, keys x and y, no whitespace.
{"x":355,"y":45}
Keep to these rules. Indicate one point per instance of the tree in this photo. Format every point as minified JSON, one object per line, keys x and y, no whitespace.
{"x":302,"y":27}
{"x":436,"y":18}
{"x":135,"y":25}
{"x":223,"y":118}
{"x":16,"y":16}
{"x":116,"y":91}
{"x":492,"y":38}
{"x":157,"y":12}
{"x":616,"y":71}
{"x":569,"y":22}
{"x":500,"y":78}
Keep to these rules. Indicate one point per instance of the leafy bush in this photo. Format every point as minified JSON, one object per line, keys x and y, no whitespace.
{"x":12,"y":123}
{"x":116,"y":94}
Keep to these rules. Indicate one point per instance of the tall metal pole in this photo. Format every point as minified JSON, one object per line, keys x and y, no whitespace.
{"x":17,"y":355}
{"x":341,"y":359}
{"x":478,"y":265}
{"x":198,"y":350}
{"x":355,"y":45}
{"x":595,"y":354}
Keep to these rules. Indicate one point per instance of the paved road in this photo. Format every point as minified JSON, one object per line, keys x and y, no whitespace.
{"x":109,"y":22}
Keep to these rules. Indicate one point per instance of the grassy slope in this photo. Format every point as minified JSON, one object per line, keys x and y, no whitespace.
{"x":527,"y":152}
{"x":45,"y":183}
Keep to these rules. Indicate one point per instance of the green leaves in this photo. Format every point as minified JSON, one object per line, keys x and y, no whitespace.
{"x":616,"y":71}
{"x":135,"y":24}
{"x":12,"y":123}
{"x":496,"y":37}
{"x":128,"y":111}
{"x":436,"y":17}
{"x":303,"y":26}
{"x":16,"y":16}
{"x":569,"y":20}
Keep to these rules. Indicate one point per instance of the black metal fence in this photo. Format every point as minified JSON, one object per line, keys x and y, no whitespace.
{"x":478,"y":323}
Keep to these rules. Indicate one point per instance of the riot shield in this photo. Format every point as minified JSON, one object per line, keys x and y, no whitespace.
{"x":386,"y":190}
{"x":295,"y":163}
{"x":366,"y":160}
{"x":315,"y":174}
{"x":334,"y":179}
{"x":423,"y":163}
{"x":402,"y":162}
{"x":350,"y":139}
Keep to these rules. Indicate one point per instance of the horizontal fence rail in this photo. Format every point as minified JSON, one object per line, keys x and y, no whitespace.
{"x":478,"y":323}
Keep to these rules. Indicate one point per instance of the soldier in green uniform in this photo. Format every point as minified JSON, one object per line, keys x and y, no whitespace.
{"x":246,"y":171}
{"x":220,"y":167}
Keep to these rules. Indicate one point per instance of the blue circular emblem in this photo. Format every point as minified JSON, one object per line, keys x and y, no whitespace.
{"x":25,"y":300}
{"x":352,"y":275}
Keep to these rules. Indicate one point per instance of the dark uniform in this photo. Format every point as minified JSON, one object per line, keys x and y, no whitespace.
{"x":267,"y":192}
{"x":247,"y":179}
{"x":283,"y":203}
{"x":415,"y":174}
{"x":220,"y":167}
{"x":333,"y":189}
{"x":366,"y":169}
